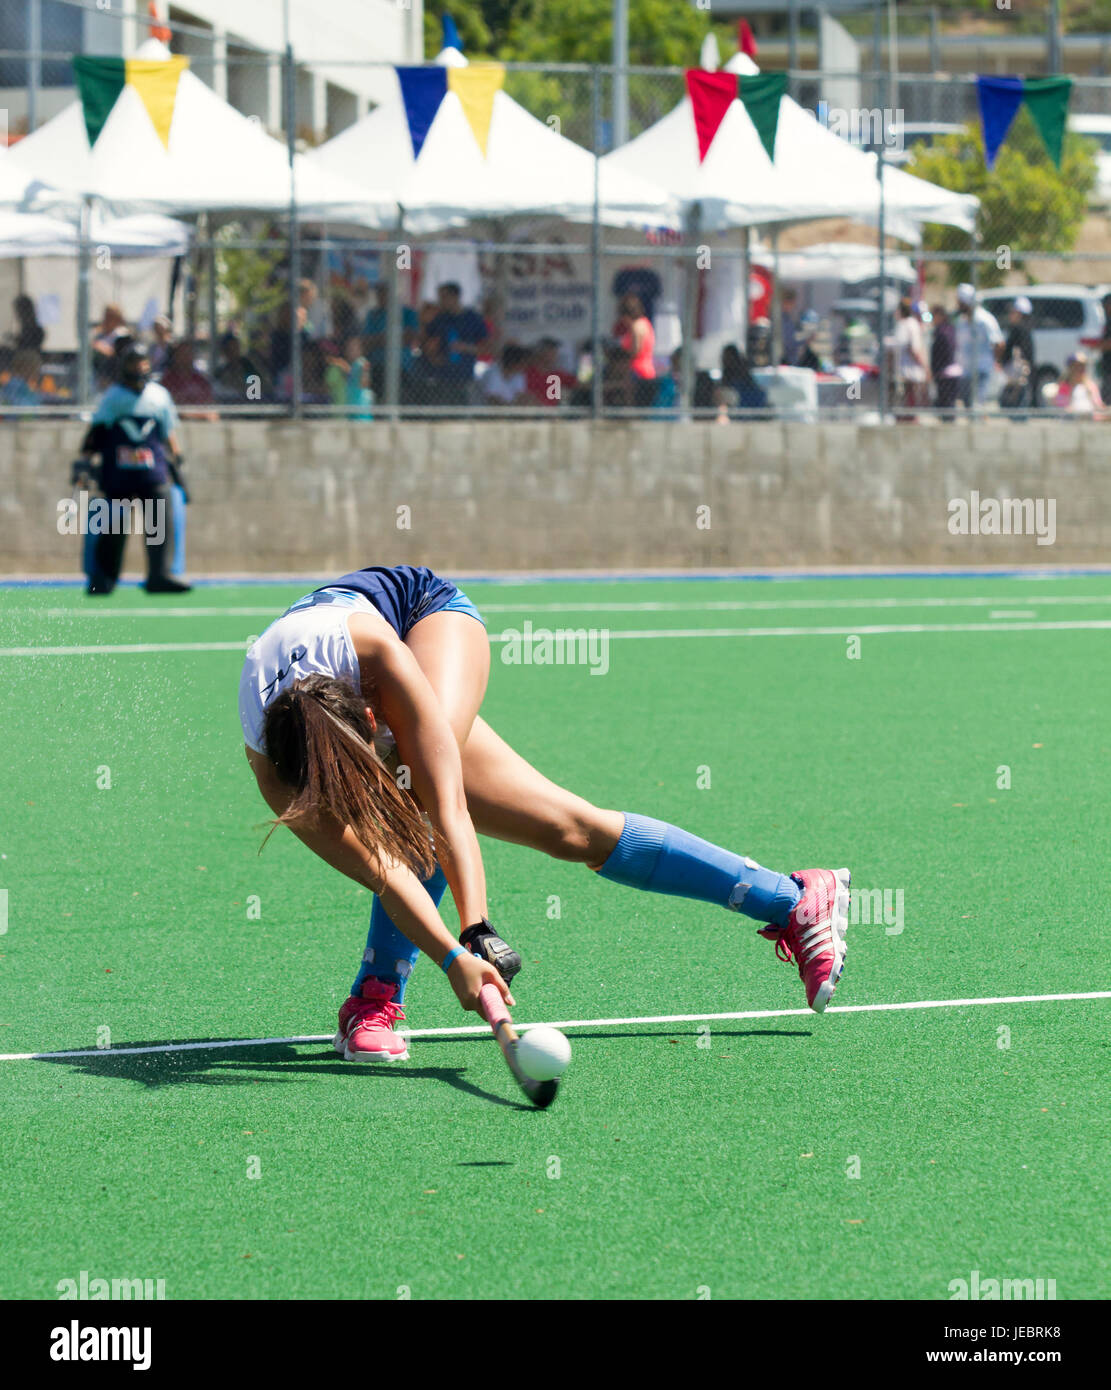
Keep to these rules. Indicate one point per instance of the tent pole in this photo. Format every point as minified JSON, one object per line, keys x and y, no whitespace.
{"x":596,"y":250}
{"x":500,"y":230}
{"x":974,"y":365}
{"x":881,"y":320}
{"x":210,"y":306}
{"x":690,"y":307}
{"x":392,"y":381}
{"x":294,"y":234}
{"x":777,"y":302}
{"x":84,"y":343}
{"x":746,"y":279}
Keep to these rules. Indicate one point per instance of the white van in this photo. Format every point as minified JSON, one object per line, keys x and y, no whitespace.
{"x":1065,"y":320}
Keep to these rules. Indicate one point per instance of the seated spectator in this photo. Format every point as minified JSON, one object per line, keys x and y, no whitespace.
{"x":111,"y":328}
{"x":1077,"y":392}
{"x":736,"y":376}
{"x":345,"y":322}
{"x":186,"y":385}
{"x":347,"y":379}
{"x":760,"y":342}
{"x":316,"y":310}
{"x":29,"y":334}
{"x":808,"y":331}
{"x":360,"y":394}
{"x":375,"y":331}
{"x":635,"y":334}
{"x":944,"y":366}
{"x":281,"y":338}
{"x":617,"y":379}
{"x":452,"y":341}
{"x":667,"y":387}
{"x":238,"y":378}
{"x":506,"y":382}
{"x":544,"y":378}
{"x":22,"y":385}
{"x":162,"y":340}
{"x":314,"y":372}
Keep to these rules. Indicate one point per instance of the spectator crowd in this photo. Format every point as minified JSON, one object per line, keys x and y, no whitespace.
{"x":937,"y":357}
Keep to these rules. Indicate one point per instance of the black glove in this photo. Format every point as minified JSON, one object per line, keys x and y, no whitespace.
{"x":484,"y":942}
{"x":81,"y":470}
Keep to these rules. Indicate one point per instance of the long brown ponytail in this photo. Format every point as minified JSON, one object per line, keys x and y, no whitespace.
{"x":318,"y":736}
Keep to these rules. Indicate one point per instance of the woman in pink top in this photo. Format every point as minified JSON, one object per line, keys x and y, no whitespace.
{"x":635,"y":334}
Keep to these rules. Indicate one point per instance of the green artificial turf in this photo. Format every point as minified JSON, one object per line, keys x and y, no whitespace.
{"x":674,"y":1160}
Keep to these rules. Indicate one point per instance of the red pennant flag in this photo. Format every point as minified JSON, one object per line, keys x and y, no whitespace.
{"x":746,"y":39}
{"x":711,"y":94}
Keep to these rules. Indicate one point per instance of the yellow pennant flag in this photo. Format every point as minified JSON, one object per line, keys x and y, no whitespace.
{"x":156,"y":82}
{"x":476,"y":87}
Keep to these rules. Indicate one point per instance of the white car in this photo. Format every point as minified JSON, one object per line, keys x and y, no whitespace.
{"x":1066,"y":319}
{"x":1097,"y":128}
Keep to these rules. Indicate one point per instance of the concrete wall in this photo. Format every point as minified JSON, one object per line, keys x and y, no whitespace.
{"x":321,"y":497}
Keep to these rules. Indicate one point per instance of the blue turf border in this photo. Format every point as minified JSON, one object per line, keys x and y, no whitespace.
{"x":662,"y":576}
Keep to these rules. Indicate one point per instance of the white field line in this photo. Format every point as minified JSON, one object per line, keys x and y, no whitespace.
{"x":474,"y":1030}
{"x":539,"y":634}
{"x":710,"y":606}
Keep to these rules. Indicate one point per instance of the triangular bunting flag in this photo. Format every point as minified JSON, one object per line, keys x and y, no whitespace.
{"x":476,"y":87}
{"x":746,"y":39}
{"x":156,"y":83}
{"x":761,"y":95}
{"x":422,"y":91}
{"x":711,"y":94}
{"x":99,"y":83}
{"x":999,"y":99}
{"x":1048,"y":101}
{"x":451,"y":34}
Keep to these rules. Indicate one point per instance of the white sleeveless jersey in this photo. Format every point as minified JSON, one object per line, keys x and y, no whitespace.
{"x":303,"y":642}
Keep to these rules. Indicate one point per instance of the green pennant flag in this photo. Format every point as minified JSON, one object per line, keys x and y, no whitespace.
{"x":99,"y":83}
{"x":1048,"y":101}
{"x":760,"y":95}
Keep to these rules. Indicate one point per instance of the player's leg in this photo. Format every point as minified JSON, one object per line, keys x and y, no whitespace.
{"x":108,"y":551}
{"x":805,"y":913}
{"x":453,"y":651}
{"x":158,"y":529}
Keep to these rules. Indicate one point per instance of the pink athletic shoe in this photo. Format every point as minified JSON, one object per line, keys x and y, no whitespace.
{"x":814,"y":937}
{"x":366,"y":1025}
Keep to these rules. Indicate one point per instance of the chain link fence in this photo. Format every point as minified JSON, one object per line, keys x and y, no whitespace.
{"x":263,"y":315}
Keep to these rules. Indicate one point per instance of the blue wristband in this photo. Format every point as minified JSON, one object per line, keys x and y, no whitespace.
{"x":445,"y":964}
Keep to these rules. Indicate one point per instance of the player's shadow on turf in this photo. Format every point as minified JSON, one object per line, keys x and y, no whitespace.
{"x":218,"y":1066}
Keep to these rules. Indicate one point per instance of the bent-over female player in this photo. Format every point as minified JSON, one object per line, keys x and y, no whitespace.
{"x":360,"y":710}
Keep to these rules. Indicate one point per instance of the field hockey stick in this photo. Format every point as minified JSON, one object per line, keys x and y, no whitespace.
{"x":541,"y":1093}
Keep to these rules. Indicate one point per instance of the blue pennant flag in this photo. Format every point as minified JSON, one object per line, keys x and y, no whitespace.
{"x":451,"y":34}
{"x":999,"y":98}
{"x":422,"y":91}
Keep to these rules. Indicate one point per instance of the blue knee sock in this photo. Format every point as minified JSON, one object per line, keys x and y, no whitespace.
{"x":664,"y":859}
{"x":389,"y":955}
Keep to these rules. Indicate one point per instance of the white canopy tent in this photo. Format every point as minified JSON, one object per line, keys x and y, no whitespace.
{"x":844,"y":261}
{"x":527,"y":169}
{"x":21,"y":190}
{"x":815,"y":174}
{"x":40,"y":234}
{"x":216,"y":160}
